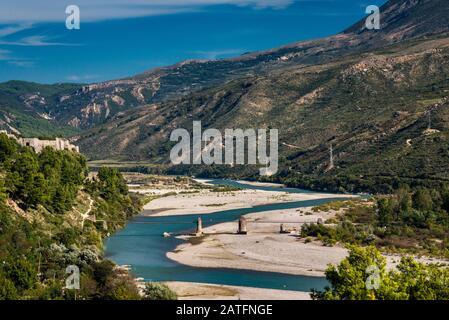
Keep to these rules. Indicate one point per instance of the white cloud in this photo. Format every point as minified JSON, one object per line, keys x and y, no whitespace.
{"x":78,"y":78}
{"x":217,"y":54}
{"x":18,"y":16}
{"x":35,"y":41}
{"x":93,"y":10}
{"x":13,"y":29}
{"x":6,"y":55}
{"x":22,"y":63}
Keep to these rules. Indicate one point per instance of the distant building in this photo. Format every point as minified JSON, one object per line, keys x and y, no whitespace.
{"x":38,"y":145}
{"x":8,"y":134}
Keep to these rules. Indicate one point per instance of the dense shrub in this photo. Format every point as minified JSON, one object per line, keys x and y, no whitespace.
{"x":363,"y":276}
{"x":44,"y":235}
{"x":159,"y":291}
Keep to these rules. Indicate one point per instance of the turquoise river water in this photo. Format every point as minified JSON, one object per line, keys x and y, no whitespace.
{"x":141,"y":245}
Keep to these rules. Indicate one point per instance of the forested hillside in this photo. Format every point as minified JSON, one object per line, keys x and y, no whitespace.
{"x":384,"y":113}
{"x":379,"y":98}
{"x":49,"y":219}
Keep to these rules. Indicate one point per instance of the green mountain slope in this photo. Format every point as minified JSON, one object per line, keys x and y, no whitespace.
{"x":372,"y":108}
{"x":366,"y":93}
{"x":24,"y":109}
{"x":86,"y":106}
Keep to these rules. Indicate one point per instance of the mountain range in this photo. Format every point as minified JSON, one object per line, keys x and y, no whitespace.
{"x":379,"y":97}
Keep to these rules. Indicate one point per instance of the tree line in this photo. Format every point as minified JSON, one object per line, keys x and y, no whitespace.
{"x":41,"y":198}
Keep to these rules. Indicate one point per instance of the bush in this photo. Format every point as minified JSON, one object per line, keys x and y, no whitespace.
{"x":123,"y":289}
{"x":49,"y":290}
{"x":7,"y":289}
{"x":22,"y":273}
{"x":159,"y":291}
{"x":46,"y":186}
{"x":411,"y":280}
{"x":51,"y":178}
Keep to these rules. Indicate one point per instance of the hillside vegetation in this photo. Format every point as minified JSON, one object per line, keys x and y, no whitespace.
{"x":363,"y":276}
{"x":52,"y":216}
{"x":372,"y":108}
{"x":81,"y":106}
{"x":409,"y":221}
{"x":379,"y":98}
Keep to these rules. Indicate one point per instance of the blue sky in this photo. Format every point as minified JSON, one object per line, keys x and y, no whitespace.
{"x":122,"y":38}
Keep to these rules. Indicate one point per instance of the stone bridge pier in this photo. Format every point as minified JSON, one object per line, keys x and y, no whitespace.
{"x":199,"y":227}
{"x":242,"y":226}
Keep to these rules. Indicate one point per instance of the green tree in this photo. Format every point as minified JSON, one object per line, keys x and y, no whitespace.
{"x":103,"y":270}
{"x":422,"y":200}
{"x":159,"y":291}
{"x":7,"y":289}
{"x":48,"y":290}
{"x":123,"y":289}
{"x":65,"y":173}
{"x":111,"y":183}
{"x":385,"y":211}
{"x":24,"y":182}
{"x":22,"y":273}
{"x":404,"y":198}
{"x":8,"y":147}
{"x":445,"y":198}
{"x":3,"y":195}
{"x":410,"y":281}
{"x":348,"y":279}
{"x":422,"y":282}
